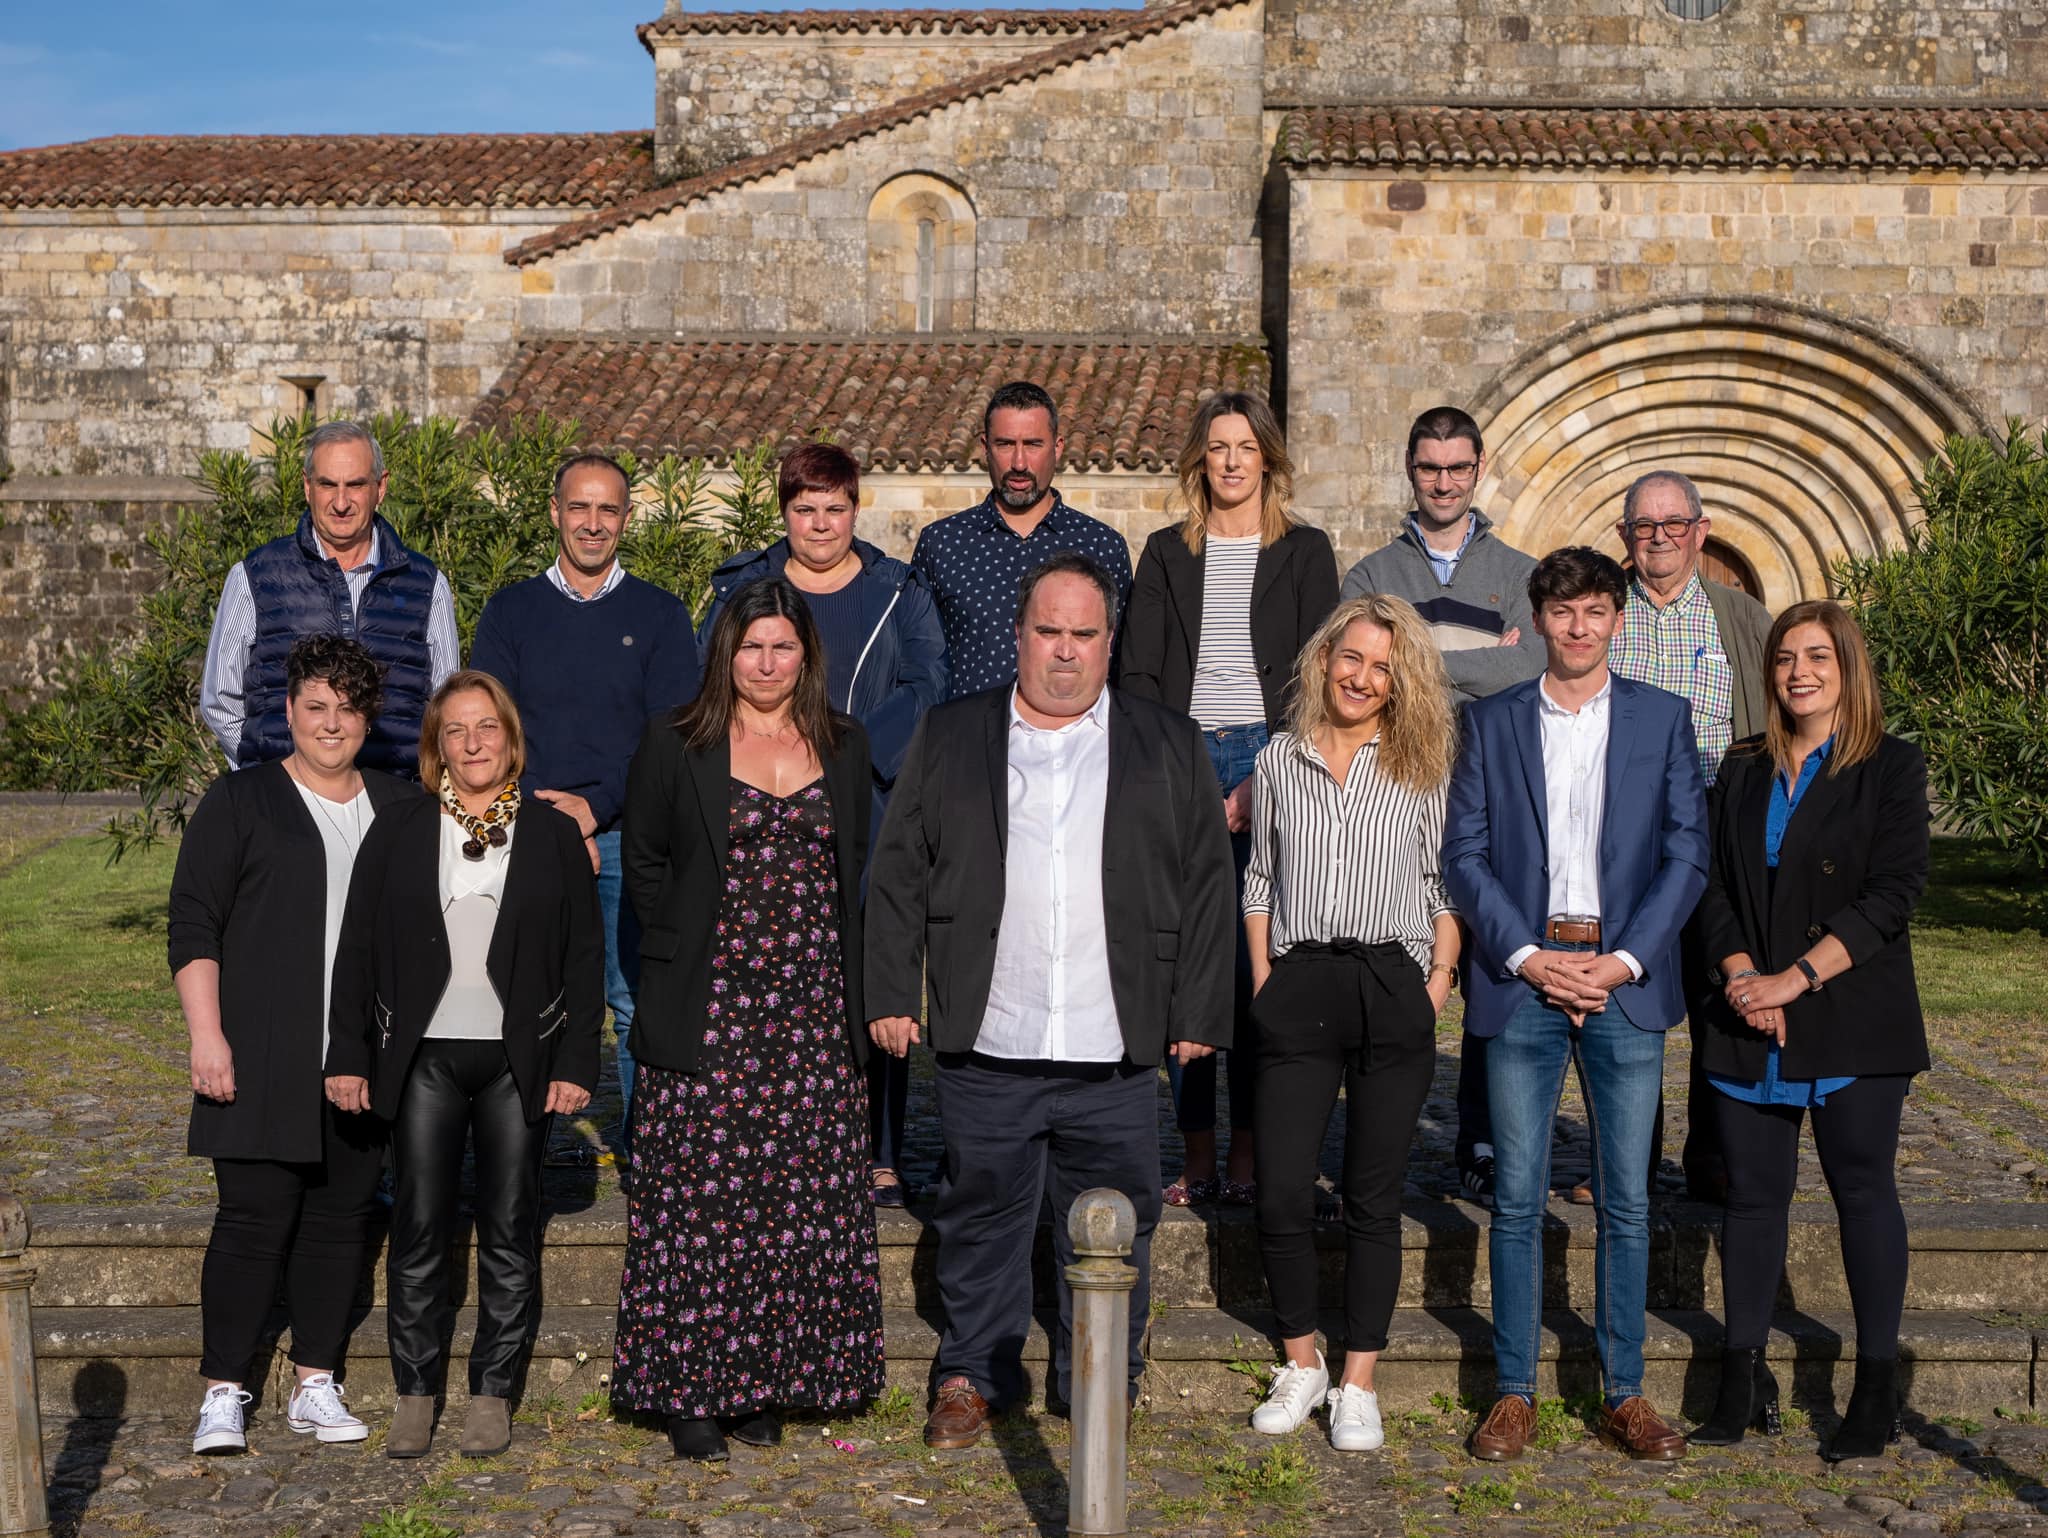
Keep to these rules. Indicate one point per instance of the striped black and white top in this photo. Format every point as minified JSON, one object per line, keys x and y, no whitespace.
{"x":1358,"y":861}
{"x":1226,"y":691}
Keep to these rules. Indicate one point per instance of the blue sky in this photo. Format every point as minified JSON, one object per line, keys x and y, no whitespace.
{"x":80,"y":70}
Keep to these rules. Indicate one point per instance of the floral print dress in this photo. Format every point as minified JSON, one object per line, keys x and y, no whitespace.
{"x":752,"y":1278}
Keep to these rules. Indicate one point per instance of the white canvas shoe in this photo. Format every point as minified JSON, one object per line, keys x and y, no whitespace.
{"x":1293,"y":1398}
{"x":1355,"y":1420}
{"x":317,"y":1407}
{"x":220,"y":1421}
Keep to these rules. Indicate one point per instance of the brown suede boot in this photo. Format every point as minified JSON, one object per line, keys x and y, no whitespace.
{"x":487,"y":1431}
{"x":412,"y":1427}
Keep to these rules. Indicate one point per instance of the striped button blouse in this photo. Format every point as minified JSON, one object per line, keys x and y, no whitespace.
{"x":1358,"y":861}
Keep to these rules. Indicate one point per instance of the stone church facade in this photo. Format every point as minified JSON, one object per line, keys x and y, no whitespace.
{"x":1783,"y":245}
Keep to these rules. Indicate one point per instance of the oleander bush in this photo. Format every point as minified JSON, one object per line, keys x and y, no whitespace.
{"x":1957,"y":622}
{"x":124,"y":715}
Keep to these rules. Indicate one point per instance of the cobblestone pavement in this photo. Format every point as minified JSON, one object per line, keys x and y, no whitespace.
{"x":1192,"y":1477}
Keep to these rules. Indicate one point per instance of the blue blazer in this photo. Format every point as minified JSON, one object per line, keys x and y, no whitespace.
{"x":1653,"y":847}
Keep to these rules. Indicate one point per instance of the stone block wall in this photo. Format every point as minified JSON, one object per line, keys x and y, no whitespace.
{"x":894,"y":508}
{"x":1636,"y":51}
{"x":1119,"y":194}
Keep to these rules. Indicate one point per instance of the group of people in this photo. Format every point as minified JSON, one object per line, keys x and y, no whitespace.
{"x":868,"y":805}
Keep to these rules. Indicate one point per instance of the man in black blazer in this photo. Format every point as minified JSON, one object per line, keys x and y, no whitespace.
{"x":1058,"y":852}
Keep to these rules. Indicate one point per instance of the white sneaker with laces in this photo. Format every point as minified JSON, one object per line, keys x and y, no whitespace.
{"x":1293,"y":1398}
{"x":220,"y":1420}
{"x":317,"y":1407}
{"x":1355,"y":1419}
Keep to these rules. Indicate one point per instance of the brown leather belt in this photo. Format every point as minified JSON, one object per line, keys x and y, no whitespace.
{"x":1572,"y":931}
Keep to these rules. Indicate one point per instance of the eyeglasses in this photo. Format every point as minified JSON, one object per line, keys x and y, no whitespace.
{"x":1461,"y":471}
{"x":1673,"y":528}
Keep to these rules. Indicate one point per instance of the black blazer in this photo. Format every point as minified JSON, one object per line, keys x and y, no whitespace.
{"x":1853,"y":865}
{"x":546,"y":960}
{"x":1294,"y":588}
{"x":672,"y":851}
{"x":250,"y":892}
{"x":1169,"y":888}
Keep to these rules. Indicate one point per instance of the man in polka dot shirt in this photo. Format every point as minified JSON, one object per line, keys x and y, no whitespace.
{"x":974,"y":562}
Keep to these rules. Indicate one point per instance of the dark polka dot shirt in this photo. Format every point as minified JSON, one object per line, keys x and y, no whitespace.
{"x":974,"y":563}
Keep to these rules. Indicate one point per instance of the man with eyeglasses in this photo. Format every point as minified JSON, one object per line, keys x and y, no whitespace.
{"x":1473,"y":590}
{"x":1703,"y":641}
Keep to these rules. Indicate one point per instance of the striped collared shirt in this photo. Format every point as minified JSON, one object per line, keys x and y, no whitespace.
{"x":1358,"y":861}
{"x":1678,"y":649}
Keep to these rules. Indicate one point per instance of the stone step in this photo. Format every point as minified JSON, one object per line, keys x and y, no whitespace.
{"x":140,"y":1360}
{"x":1964,"y":1256}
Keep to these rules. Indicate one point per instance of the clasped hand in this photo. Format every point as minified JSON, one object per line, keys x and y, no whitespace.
{"x":1577,"y":982}
{"x":1761,"y":1001}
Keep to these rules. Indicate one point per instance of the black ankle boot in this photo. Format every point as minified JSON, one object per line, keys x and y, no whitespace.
{"x":700,"y":1440}
{"x":1748,"y":1402}
{"x":1872,"y":1419}
{"x":761,"y":1429}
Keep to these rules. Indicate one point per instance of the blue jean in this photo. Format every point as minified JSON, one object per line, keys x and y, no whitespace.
{"x":1621,"y":1071}
{"x":1231,"y":751}
{"x":621,"y":964}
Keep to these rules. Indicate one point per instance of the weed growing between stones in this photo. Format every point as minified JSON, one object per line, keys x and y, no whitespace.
{"x":407,"y":1522}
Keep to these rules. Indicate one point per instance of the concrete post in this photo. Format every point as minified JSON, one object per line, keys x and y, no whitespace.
{"x":1103,"y":1228}
{"x":23,"y":1508}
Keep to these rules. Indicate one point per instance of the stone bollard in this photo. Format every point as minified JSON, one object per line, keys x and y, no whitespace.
{"x":23,"y":1508}
{"x":1103,"y":1228}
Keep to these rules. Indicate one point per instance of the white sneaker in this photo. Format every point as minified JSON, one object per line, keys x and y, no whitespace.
{"x":317,"y":1407}
{"x":1355,"y":1419}
{"x":1292,"y":1399}
{"x":220,"y":1421}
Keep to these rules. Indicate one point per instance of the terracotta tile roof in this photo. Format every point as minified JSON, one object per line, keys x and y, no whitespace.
{"x":350,"y":170}
{"x":895,"y":404}
{"x":1670,"y":138}
{"x":1139,"y":24}
{"x":782,"y":23}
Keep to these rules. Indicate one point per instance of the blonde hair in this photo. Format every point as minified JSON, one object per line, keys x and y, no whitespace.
{"x":1859,"y":717}
{"x":1418,"y":725}
{"x":1192,"y":467}
{"x":431,"y":761}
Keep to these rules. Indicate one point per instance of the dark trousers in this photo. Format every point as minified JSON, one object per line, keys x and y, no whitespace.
{"x":458,"y":1089}
{"x":306,"y":1226}
{"x":1475,"y":1111}
{"x":1358,"y":1017}
{"x":1701,"y":1156}
{"x":1857,"y":1136}
{"x":888,"y":1104}
{"x":1019,"y":1137}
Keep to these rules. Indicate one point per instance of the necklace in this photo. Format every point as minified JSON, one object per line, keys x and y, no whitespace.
{"x":487,"y":831}
{"x":352,"y":836}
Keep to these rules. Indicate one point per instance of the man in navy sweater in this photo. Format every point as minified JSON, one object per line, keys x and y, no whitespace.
{"x":589,"y":654}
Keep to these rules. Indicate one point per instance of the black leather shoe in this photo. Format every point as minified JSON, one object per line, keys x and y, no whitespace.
{"x":1748,"y":1402}
{"x":700,"y":1440}
{"x":762,"y":1429}
{"x":1872,"y":1419}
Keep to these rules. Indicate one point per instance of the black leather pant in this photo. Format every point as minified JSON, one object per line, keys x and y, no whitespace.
{"x":458,"y":1089}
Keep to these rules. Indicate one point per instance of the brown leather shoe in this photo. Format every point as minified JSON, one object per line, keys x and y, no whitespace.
{"x":959,"y":1416}
{"x":1641,"y":1432}
{"x":1505,"y":1431}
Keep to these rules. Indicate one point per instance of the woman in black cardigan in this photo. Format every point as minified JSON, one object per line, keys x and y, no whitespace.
{"x":255,"y":911}
{"x":752,"y":1280}
{"x":1819,"y":858}
{"x":1221,"y":607}
{"x":468,"y":993}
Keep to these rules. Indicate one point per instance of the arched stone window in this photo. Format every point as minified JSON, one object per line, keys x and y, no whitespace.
{"x":920,"y":256}
{"x":1695,"y":10}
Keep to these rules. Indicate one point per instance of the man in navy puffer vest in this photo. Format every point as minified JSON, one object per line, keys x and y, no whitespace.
{"x":343,"y":571}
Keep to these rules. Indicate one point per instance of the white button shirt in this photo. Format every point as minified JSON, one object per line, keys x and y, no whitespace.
{"x":1050,"y":996}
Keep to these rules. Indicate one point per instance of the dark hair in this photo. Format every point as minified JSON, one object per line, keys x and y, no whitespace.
{"x":817,"y":467}
{"x":593,"y":462}
{"x":1441,"y":424}
{"x":1576,"y":571}
{"x":707,"y":720}
{"x":343,"y":664}
{"x":1020,"y":395}
{"x":1068,"y":563}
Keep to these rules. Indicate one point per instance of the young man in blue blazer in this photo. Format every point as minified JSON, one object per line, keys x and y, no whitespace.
{"x":1575,"y":845}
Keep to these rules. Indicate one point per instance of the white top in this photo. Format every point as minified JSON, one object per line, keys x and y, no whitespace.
{"x":560,"y":579}
{"x":342,"y":825}
{"x":1575,"y":800}
{"x":1050,"y":996}
{"x":1226,"y":675}
{"x":471,"y":891}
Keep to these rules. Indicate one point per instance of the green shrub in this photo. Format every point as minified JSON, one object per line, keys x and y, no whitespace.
{"x":125,"y":715}
{"x":1957,"y":622}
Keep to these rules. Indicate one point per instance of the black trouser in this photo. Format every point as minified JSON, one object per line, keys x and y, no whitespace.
{"x":1021,"y":1136}
{"x":305,"y":1225}
{"x":1475,"y":1111}
{"x":456,"y":1089}
{"x":1358,"y":1016}
{"x":1857,"y":1136}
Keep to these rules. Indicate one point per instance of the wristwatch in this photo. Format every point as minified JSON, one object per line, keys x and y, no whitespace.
{"x":1812,"y":977}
